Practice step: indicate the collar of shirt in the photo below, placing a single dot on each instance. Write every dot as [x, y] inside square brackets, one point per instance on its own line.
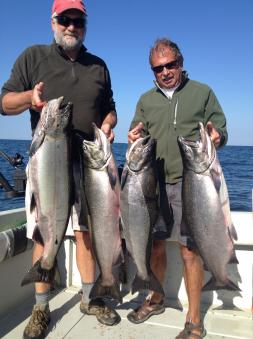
[167, 91]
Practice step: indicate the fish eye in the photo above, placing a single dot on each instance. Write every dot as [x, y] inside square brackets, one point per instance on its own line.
[138, 150]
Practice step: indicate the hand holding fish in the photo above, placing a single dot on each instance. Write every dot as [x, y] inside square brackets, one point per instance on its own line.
[107, 129]
[36, 100]
[135, 133]
[213, 133]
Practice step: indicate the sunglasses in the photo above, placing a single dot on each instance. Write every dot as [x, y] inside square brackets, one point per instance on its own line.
[168, 66]
[67, 21]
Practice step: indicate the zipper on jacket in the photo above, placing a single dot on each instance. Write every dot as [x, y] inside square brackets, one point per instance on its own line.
[175, 116]
[170, 100]
[73, 70]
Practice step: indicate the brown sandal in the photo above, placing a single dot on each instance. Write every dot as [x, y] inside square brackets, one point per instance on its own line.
[145, 311]
[188, 331]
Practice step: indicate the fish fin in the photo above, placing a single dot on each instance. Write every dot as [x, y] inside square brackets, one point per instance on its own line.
[84, 211]
[38, 274]
[37, 237]
[36, 143]
[124, 176]
[120, 170]
[99, 291]
[152, 284]
[72, 196]
[212, 285]
[32, 203]
[225, 205]
[123, 273]
[123, 269]
[33, 211]
[205, 267]
[232, 232]
[112, 177]
[233, 259]
[216, 180]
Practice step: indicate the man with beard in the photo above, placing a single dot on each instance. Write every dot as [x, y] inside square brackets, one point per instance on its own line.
[42, 73]
[174, 108]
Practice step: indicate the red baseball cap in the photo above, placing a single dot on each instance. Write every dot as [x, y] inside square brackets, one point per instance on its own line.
[60, 6]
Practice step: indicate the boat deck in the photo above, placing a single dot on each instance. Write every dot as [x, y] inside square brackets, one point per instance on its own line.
[68, 322]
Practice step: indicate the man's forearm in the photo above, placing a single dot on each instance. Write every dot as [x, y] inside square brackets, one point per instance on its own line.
[111, 119]
[15, 103]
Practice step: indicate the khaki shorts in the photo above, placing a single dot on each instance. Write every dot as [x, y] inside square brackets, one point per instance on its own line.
[75, 223]
[170, 224]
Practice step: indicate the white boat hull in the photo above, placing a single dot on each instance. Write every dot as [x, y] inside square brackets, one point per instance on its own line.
[12, 270]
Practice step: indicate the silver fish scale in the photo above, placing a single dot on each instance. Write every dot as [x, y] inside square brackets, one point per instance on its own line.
[138, 203]
[206, 208]
[137, 223]
[49, 184]
[102, 189]
[205, 218]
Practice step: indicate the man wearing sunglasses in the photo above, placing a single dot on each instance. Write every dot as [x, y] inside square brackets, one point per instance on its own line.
[173, 108]
[40, 74]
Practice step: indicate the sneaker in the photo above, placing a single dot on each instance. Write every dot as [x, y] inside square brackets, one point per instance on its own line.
[38, 323]
[105, 315]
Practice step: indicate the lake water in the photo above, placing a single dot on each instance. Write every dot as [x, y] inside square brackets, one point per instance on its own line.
[236, 161]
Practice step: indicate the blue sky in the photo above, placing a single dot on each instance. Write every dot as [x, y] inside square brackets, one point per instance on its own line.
[215, 38]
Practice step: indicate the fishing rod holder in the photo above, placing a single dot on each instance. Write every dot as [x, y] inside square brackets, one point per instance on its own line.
[19, 176]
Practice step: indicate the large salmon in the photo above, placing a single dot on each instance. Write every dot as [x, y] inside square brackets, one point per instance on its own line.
[102, 189]
[48, 189]
[206, 209]
[139, 210]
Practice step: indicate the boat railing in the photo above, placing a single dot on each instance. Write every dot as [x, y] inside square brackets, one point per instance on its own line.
[16, 255]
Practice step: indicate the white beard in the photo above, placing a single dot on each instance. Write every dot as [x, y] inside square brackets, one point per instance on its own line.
[67, 41]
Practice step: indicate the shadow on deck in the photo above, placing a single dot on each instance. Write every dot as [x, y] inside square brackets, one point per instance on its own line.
[68, 322]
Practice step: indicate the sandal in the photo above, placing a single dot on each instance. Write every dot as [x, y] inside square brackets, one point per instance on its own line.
[189, 331]
[145, 311]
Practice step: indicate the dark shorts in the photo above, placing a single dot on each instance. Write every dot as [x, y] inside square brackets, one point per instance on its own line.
[170, 224]
[79, 216]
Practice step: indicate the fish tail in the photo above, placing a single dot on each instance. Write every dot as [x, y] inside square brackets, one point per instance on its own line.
[232, 232]
[151, 284]
[100, 291]
[212, 285]
[38, 274]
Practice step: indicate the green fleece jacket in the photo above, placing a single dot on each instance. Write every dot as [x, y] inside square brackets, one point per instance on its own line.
[165, 119]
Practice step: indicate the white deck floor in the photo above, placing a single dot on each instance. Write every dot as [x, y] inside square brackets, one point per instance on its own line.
[68, 322]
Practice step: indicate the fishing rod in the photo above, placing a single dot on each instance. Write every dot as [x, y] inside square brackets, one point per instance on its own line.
[14, 161]
[19, 176]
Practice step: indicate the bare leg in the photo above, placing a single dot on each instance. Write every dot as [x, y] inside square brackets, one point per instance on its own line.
[158, 265]
[37, 253]
[84, 257]
[194, 276]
